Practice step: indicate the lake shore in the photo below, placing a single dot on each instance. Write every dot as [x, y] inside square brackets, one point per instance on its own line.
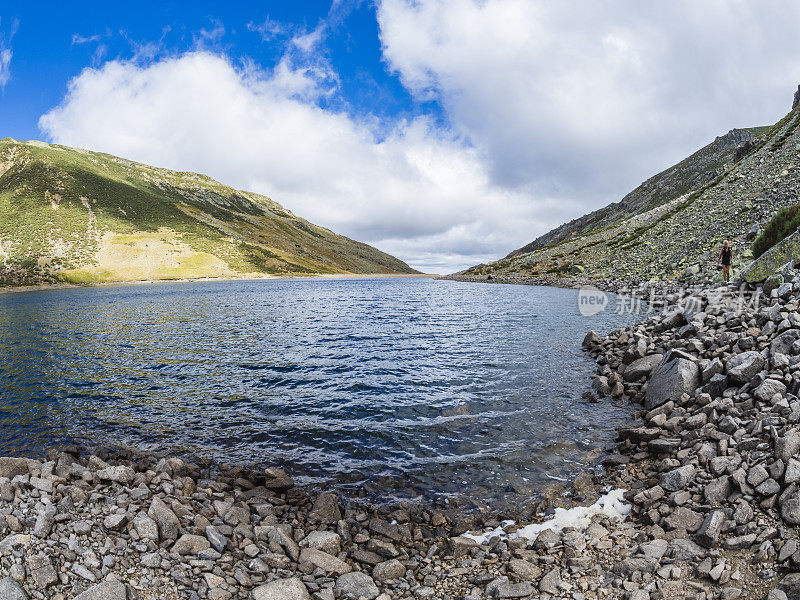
[711, 480]
[62, 286]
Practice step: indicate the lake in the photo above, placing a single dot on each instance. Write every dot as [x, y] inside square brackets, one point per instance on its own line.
[390, 387]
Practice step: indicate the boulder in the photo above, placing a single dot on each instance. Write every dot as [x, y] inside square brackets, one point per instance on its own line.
[591, 340]
[641, 367]
[281, 589]
[10, 589]
[670, 380]
[790, 509]
[107, 590]
[323, 560]
[744, 366]
[782, 344]
[353, 586]
[190, 544]
[768, 389]
[11, 467]
[788, 249]
[118, 474]
[168, 524]
[387, 570]
[325, 509]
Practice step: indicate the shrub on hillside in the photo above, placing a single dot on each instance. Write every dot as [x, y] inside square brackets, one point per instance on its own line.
[784, 223]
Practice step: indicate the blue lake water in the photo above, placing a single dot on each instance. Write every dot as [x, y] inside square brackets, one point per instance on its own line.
[390, 387]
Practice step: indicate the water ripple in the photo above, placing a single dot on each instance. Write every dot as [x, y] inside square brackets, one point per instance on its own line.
[394, 387]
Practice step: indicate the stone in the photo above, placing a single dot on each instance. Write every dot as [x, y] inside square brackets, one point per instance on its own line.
[215, 538]
[460, 546]
[550, 583]
[790, 585]
[44, 522]
[782, 344]
[790, 509]
[118, 474]
[525, 570]
[42, 571]
[683, 517]
[277, 480]
[14, 541]
[756, 475]
[742, 367]
[115, 522]
[145, 527]
[327, 541]
[325, 509]
[768, 389]
[792, 473]
[11, 590]
[190, 544]
[677, 479]
[670, 381]
[641, 367]
[354, 586]
[685, 550]
[788, 446]
[591, 340]
[717, 491]
[324, 561]
[281, 589]
[710, 530]
[390, 569]
[168, 523]
[107, 590]
[11, 467]
[787, 250]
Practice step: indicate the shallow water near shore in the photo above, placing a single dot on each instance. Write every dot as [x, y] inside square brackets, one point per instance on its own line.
[394, 388]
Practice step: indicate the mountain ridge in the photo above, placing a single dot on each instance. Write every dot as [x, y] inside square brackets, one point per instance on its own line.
[743, 188]
[78, 216]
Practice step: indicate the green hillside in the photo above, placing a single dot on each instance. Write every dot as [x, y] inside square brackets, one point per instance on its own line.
[77, 216]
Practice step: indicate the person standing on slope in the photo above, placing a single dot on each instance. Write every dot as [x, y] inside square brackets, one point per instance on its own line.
[725, 258]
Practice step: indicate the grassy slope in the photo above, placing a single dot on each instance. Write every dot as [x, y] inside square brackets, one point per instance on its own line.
[664, 241]
[74, 215]
[689, 174]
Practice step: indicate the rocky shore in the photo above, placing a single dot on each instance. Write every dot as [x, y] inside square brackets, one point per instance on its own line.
[712, 478]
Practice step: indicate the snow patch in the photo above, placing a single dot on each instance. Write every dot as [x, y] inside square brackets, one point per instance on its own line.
[611, 505]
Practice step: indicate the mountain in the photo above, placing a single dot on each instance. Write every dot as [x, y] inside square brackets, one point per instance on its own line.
[674, 223]
[76, 216]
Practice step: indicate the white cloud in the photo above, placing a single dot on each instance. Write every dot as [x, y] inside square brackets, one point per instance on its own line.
[553, 109]
[586, 99]
[415, 192]
[5, 52]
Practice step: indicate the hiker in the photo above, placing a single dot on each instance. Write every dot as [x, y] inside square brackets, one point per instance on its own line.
[725, 258]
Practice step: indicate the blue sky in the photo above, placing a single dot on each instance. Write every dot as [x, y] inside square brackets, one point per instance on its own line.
[446, 132]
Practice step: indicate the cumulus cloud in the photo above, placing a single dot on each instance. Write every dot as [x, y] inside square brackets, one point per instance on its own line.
[584, 100]
[552, 109]
[414, 191]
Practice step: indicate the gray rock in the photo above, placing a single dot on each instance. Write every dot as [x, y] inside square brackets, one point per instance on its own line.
[10, 589]
[682, 549]
[14, 540]
[327, 541]
[44, 522]
[768, 389]
[742, 367]
[551, 582]
[718, 490]
[281, 589]
[215, 538]
[788, 446]
[683, 517]
[118, 474]
[42, 571]
[145, 527]
[325, 509]
[356, 585]
[777, 594]
[591, 340]
[756, 475]
[524, 570]
[190, 544]
[460, 546]
[792, 473]
[168, 524]
[115, 522]
[641, 367]
[790, 509]
[11, 467]
[670, 381]
[390, 569]
[790, 585]
[107, 590]
[677, 479]
[711, 528]
[325, 561]
[782, 344]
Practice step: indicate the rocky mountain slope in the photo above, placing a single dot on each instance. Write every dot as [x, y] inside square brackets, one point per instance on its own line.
[77, 216]
[689, 174]
[679, 238]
